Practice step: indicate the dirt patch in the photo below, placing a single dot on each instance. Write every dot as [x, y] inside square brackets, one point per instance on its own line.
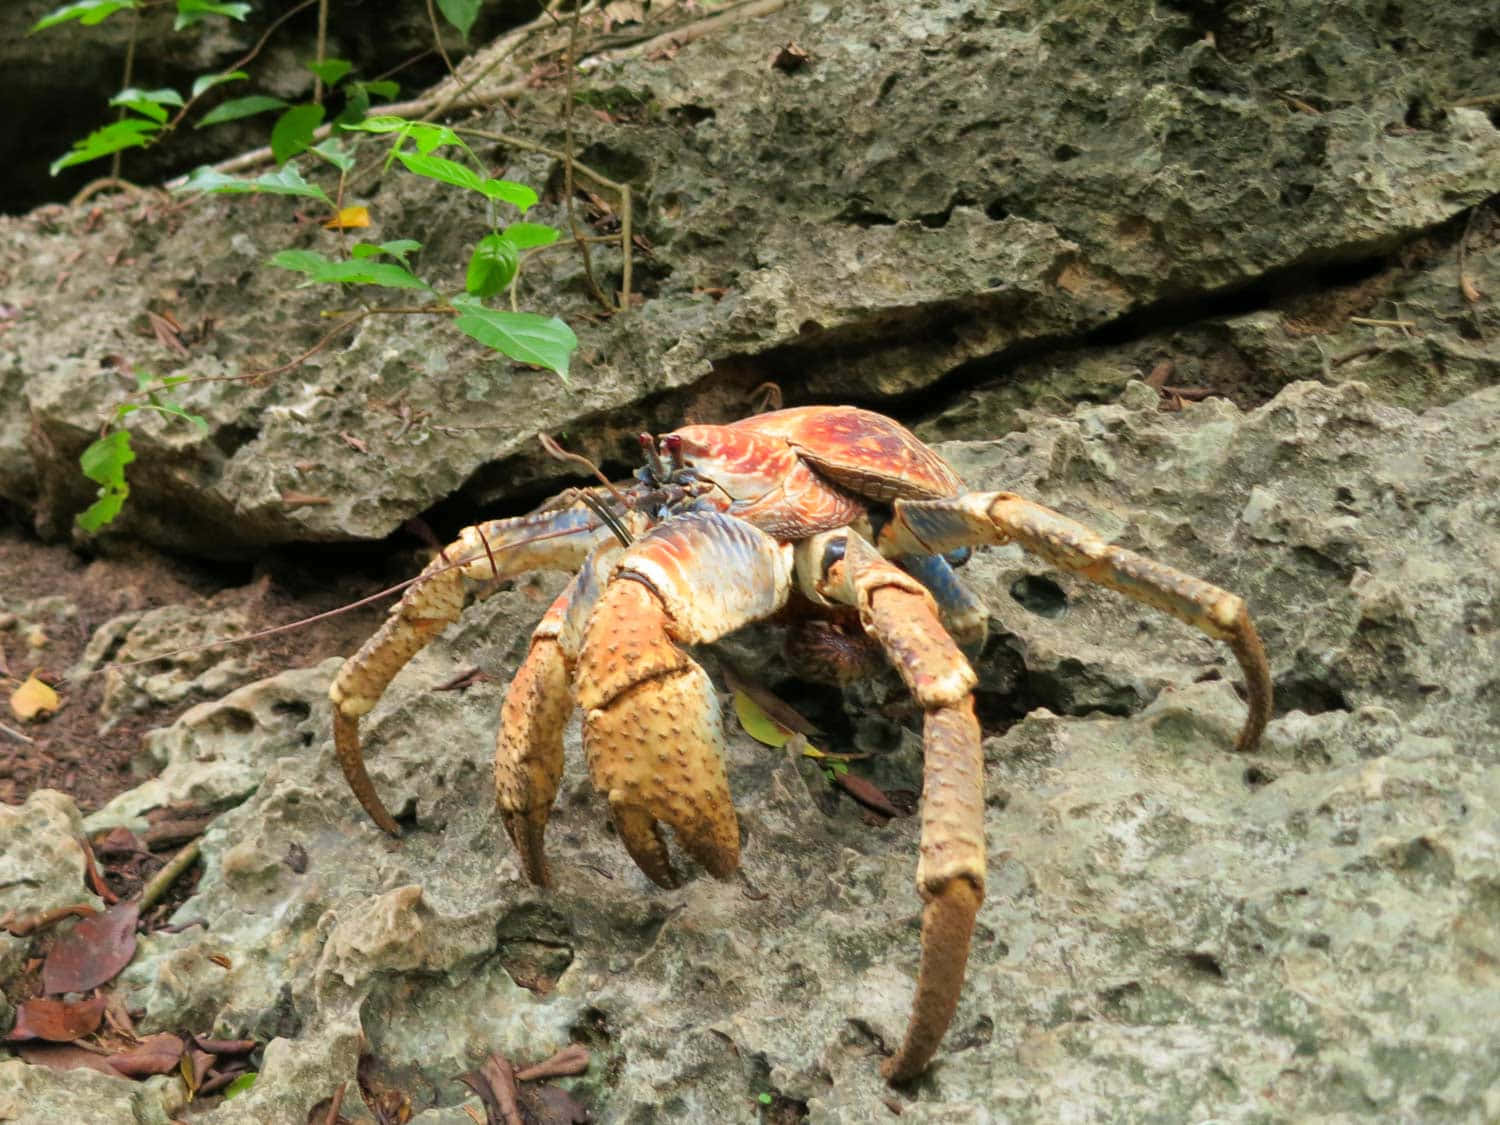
[75, 750]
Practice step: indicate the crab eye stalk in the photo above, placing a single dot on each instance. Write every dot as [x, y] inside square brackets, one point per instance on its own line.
[653, 462]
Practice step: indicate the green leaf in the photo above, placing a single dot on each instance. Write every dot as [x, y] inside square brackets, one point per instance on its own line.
[209, 81]
[172, 410]
[540, 340]
[236, 108]
[397, 248]
[240, 1085]
[507, 192]
[293, 131]
[460, 13]
[320, 269]
[86, 12]
[757, 724]
[190, 12]
[492, 266]
[330, 70]
[525, 236]
[377, 89]
[335, 152]
[356, 105]
[133, 132]
[148, 103]
[764, 1099]
[284, 181]
[104, 463]
[443, 170]
[385, 123]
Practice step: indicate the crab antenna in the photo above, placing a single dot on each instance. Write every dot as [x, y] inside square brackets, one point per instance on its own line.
[648, 447]
[608, 518]
[556, 451]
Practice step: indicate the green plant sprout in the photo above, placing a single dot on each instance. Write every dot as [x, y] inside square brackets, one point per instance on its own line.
[105, 459]
[495, 264]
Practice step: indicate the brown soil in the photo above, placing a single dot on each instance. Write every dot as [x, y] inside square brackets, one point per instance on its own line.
[67, 751]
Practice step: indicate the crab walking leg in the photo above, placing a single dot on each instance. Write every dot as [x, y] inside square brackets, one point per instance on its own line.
[900, 613]
[939, 526]
[552, 539]
[529, 747]
[652, 730]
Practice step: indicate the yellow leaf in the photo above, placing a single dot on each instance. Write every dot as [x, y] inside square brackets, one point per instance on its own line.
[758, 725]
[349, 218]
[33, 699]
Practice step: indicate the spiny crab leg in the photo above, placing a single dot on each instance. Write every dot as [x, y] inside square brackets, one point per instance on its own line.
[528, 746]
[901, 615]
[555, 538]
[939, 526]
[652, 731]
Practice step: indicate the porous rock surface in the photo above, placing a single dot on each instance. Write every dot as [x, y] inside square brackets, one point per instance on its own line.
[1171, 931]
[942, 186]
[1005, 208]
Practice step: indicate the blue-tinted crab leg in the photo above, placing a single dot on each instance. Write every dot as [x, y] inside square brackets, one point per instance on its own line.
[964, 615]
[898, 611]
[652, 730]
[529, 747]
[939, 526]
[556, 538]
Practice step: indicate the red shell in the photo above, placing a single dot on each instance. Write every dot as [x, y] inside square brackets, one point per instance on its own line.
[865, 452]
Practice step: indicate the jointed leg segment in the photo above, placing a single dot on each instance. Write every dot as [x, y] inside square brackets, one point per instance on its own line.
[557, 538]
[939, 526]
[898, 612]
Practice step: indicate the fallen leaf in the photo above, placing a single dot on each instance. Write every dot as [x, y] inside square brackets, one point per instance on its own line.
[64, 1056]
[867, 793]
[194, 1066]
[33, 699]
[94, 952]
[117, 843]
[58, 1021]
[155, 1054]
[779, 712]
[349, 218]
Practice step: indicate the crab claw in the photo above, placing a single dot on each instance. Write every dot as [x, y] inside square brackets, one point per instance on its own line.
[653, 737]
[651, 727]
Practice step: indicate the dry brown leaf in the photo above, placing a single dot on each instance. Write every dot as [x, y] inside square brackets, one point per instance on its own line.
[93, 952]
[64, 1056]
[155, 1054]
[58, 1021]
[33, 699]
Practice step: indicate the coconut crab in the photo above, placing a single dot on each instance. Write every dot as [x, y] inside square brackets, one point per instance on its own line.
[840, 513]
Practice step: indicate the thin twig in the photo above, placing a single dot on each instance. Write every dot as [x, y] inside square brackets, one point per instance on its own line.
[498, 52]
[686, 33]
[570, 68]
[322, 50]
[625, 237]
[437, 40]
[1373, 322]
[104, 183]
[241, 63]
[125, 80]
[17, 735]
[168, 875]
[335, 1105]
